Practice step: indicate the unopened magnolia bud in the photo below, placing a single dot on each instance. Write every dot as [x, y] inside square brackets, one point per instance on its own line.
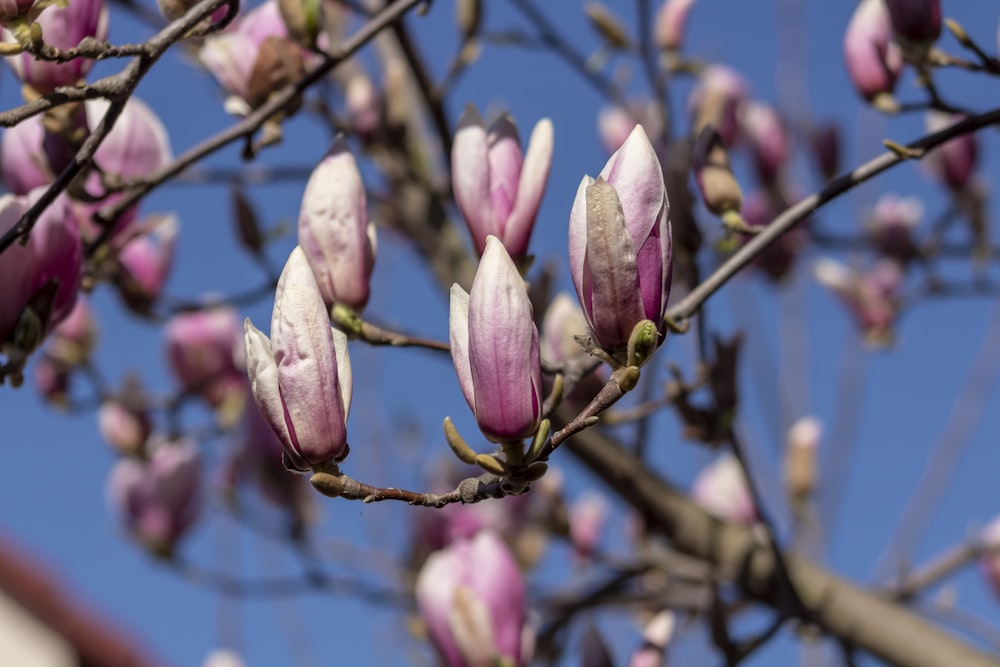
[608, 26]
[126, 428]
[719, 189]
[800, 459]
[671, 24]
[826, 148]
[279, 63]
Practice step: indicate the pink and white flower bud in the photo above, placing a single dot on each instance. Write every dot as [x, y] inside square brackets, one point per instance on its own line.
[954, 161]
[144, 262]
[655, 639]
[989, 563]
[124, 427]
[615, 123]
[63, 28]
[716, 101]
[205, 352]
[587, 517]
[721, 488]
[23, 163]
[364, 105]
[471, 597]
[768, 136]
[497, 188]
[301, 377]
[916, 25]
[137, 146]
[53, 253]
[223, 657]
[671, 24]
[873, 60]
[158, 498]
[891, 224]
[494, 346]
[334, 233]
[620, 251]
[74, 337]
[52, 378]
[873, 297]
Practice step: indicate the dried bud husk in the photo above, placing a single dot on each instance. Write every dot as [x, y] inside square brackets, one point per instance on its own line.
[279, 64]
[247, 225]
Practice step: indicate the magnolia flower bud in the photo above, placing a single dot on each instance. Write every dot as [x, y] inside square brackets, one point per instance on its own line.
[720, 191]
[301, 377]
[471, 597]
[769, 141]
[158, 498]
[223, 657]
[671, 24]
[826, 149]
[144, 263]
[334, 233]
[205, 352]
[494, 346]
[364, 106]
[497, 189]
[18, 9]
[280, 62]
[873, 297]
[916, 25]
[52, 379]
[587, 516]
[954, 161]
[721, 488]
[53, 254]
[125, 427]
[873, 60]
[616, 122]
[800, 459]
[63, 27]
[620, 251]
[891, 224]
[716, 101]
[24, 165]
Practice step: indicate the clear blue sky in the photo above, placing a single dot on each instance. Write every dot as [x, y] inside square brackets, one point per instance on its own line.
[53, 476]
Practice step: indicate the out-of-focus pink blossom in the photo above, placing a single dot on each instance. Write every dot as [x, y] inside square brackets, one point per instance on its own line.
[11, 10]
[52, 378]
[777, 260]
[223, 657]
[721, 488]
[826, 149]
[498, 188]
[124, 427]
[801, 466]
[891, 224]
[159, 497]
[587, 516]
[769, 141]
[671, 24]
[471, 596]
[205, 352]
[53, 253]
[873, 297]
[615, 123]
[954, 161]
[916, 24]
[63, 28]
[364, 105]
[716, 101]
[144, 262]
[873, 60]
[23, 163]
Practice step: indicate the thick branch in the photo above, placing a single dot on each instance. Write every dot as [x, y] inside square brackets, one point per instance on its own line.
[849, 613]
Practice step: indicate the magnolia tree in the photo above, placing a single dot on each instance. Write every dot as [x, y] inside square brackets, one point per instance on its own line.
[578, 302]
